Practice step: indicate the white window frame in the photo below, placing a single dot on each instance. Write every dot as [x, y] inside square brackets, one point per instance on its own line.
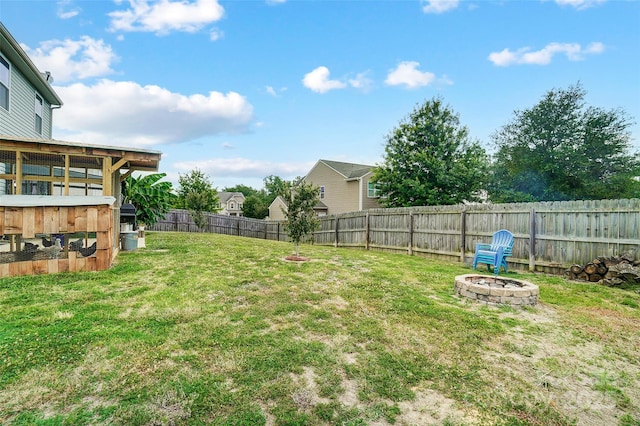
[322, 191]
[373, 190]
[38, 106]
[6, 84]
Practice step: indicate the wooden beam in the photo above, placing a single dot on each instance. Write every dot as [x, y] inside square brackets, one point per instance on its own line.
[67, 163]
[126, 175]
[18, 190]
[107, 171]
[60, 179]
[121, 162]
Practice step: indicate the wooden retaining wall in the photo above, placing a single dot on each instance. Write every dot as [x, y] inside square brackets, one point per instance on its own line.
[549, 236]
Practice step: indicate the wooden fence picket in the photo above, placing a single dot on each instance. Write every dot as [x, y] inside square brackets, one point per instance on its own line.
[549, 236]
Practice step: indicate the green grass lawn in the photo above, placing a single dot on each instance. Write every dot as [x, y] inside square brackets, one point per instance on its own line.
[212, 329]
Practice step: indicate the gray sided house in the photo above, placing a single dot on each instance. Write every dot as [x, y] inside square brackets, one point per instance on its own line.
[231, 203]
[53, 187]
[344, 187]
[27, 99]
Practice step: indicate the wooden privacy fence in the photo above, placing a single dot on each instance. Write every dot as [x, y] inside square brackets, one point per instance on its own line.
[181, 221]
[549, 236]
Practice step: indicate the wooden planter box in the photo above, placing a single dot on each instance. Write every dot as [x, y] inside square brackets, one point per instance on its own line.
[26, 216]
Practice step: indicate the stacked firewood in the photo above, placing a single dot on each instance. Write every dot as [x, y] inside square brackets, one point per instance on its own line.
[609, 271]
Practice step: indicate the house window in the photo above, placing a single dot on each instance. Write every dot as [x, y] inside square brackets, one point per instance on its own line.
[232, 205]
[38, 111]
[322, 192]
[4, 83]
[373, 190]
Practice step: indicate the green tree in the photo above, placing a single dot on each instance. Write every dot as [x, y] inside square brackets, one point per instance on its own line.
[151, 198]
[429, 160]
[300, 215]
[243, 189]
[562, 149]
[275, 186]
[197, 194]
[256, 206]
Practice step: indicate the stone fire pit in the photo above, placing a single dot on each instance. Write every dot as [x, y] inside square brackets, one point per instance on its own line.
[495, 290]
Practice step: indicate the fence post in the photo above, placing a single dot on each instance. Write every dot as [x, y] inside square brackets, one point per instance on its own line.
[366, 231]
[410, 248]
[532, 240]
[175, 221]
[335, 243]
[463, 233]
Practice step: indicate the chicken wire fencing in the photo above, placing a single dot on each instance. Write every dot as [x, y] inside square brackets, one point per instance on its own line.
[41, 173]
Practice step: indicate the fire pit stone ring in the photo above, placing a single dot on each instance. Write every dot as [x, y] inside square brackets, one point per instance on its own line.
[494, 290]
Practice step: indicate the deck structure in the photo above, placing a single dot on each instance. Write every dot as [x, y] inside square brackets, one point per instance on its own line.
[57, 189]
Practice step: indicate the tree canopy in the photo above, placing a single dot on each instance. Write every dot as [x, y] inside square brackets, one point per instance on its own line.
[197, 194]
[430, 160]
[300, 215]
[562, 149]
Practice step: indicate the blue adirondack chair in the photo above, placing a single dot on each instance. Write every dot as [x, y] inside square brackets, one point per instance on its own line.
[495, 253]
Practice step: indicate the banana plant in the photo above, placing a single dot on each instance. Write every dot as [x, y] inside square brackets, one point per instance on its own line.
[151, 198]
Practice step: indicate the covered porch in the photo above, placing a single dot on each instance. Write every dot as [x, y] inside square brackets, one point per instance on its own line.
[51, 189]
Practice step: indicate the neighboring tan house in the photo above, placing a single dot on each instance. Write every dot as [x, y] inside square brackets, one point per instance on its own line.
[344, 187]
[276, 209]
[231, 203]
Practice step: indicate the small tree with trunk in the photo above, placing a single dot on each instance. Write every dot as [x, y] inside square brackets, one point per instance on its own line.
[197, 194]
[300, 215]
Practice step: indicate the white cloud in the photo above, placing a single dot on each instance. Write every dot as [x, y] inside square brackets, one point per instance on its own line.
[66, 9]
[407, 74]
[361, 81]
[275, 2]
[127, 114]
[244, 167]
[228, 146]
[164, 16]
[319, 82]
[439, 6]
[275, 92]
[73, 59]
[573, 52]
[579, 4]
[215, 35]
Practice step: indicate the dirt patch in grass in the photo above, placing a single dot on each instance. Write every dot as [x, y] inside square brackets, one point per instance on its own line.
[581, 378]
[294, 258]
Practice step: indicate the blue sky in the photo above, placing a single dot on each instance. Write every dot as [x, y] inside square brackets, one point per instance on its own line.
[247, 89]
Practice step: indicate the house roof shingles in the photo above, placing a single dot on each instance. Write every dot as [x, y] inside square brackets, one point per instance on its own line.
[226, 196]
[349, 170]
